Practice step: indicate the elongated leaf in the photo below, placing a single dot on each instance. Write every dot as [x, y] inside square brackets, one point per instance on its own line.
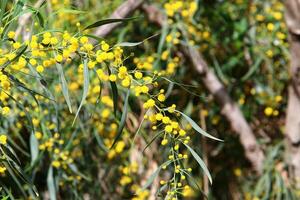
[200, 162]
[108, 21]
[154, 175]
[253, 69]
[34, 148]
[197, 128]
[115, 95]
[152, 140]
[38, 15]
[64, 85]
[151, 178]
[2, 9]
[123, 119]
[51, 184]
[132, 44]
[86, 84]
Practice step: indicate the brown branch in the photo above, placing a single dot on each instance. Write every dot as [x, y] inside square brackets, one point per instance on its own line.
[123, 11]
[292, 15]
[229, 108]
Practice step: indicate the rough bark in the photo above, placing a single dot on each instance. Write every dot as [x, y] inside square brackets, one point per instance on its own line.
[293, 108]
[229, 108]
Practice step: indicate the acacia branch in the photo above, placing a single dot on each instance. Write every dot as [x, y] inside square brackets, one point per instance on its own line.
[229, 108]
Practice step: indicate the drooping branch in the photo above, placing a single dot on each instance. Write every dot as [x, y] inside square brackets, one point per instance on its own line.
[229, 108]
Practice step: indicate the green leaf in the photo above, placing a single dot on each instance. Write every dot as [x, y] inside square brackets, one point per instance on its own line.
[38, 15]
[123, 119]
[86, 84]
[151, 178]
[51, 184]
[64, 85]
[154, 175]
[2, 9]
[34, 148]
[132, 44]
[253, 69]
[152, 140]
[200, 162]
[115, 95]
[197, 128]
[108, 21]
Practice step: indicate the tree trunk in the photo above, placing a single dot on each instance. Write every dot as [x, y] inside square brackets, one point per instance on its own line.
[293, 109]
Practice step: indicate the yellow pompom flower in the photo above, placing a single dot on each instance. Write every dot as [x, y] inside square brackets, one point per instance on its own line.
[3, 139]
[112, 77]
[11, 34]
[5, 110]
[138, 75]
[268, 111]
[40, 69]
[164, 142]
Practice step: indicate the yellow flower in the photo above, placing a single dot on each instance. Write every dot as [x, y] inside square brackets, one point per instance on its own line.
[112, 77]
[5, 110]
[56, 164]
[278, 98]
[138, 75]
[40, 69]
[268, 111]
[16, 45]
[277, 15]
[126, 82]
[120, 146]
[270, 26]
[3, 139]
[168, 128]
[164, 142]
[237, 172]
[161, 97]
[38, 135]
[104, 46]
[2, 170]
[11, 34]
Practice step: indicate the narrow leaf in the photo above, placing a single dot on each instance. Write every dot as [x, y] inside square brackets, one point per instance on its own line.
[115, 95]
[197, 128]
[123, 119]
[51, 184]
[151, 178]
[85, 88]
[34, 148]
[64, 85]
[132, 44]
[200, 162]
[108, 21]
